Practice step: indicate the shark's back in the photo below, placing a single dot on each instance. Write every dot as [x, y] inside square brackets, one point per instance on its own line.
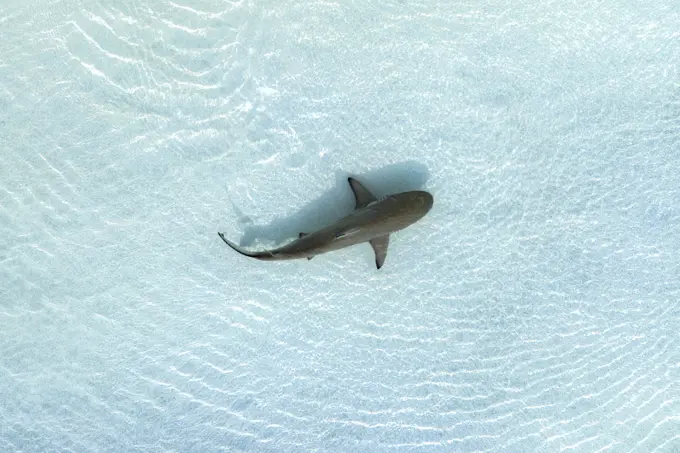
[376, 219]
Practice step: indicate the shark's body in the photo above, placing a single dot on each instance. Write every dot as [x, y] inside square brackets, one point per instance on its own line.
[372, 221]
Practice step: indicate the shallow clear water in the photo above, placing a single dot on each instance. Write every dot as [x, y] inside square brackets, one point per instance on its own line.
[535, 309]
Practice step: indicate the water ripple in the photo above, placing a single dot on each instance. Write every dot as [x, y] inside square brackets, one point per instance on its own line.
[533, 310]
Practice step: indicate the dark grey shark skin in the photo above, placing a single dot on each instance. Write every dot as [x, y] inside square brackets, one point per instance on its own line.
[372, 221]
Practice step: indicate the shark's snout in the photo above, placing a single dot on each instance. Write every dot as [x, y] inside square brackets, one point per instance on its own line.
[426, 200]
[420, 202]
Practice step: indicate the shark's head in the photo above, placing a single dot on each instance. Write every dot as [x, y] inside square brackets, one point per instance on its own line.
[417, 202]
[407, 207]
[424, 200]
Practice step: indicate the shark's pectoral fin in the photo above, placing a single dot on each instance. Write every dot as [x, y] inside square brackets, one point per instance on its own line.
[379, 245]
[361, 194]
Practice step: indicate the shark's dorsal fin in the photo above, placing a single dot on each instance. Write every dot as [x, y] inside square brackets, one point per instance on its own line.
[379, 245]
[361, 194]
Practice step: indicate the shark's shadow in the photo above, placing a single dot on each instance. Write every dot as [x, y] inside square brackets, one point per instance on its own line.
[336, 203]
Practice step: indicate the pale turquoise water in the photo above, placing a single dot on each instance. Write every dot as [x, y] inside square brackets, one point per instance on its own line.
[534, 310]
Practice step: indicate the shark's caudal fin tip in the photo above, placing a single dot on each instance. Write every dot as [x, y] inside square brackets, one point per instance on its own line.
[226, 241]
[234, 246]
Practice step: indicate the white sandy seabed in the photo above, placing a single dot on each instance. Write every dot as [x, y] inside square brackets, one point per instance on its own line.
[535, 309]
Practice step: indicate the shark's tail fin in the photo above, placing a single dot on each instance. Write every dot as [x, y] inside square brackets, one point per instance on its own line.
[257, 255]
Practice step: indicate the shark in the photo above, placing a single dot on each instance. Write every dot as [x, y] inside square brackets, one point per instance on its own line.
[372, 221]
